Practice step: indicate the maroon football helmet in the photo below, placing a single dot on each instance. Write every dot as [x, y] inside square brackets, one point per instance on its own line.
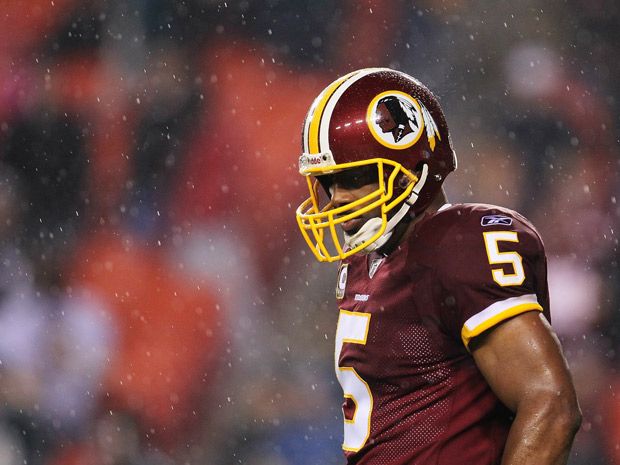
[372, 117]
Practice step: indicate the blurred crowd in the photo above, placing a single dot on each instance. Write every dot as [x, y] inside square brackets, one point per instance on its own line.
[157, 304]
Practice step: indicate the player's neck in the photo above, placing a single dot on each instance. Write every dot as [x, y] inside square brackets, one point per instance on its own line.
[440, 200]
[404, 228]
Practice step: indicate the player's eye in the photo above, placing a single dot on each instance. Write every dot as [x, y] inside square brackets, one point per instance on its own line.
[354, 178]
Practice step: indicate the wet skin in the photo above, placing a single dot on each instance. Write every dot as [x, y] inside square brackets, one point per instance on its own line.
[343, 196]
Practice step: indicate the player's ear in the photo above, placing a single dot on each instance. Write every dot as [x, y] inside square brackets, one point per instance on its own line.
[404, 181]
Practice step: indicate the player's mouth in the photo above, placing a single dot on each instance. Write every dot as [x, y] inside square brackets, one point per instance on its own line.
[353, 225]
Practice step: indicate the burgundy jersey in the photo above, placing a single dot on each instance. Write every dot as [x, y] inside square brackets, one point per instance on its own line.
[413, 393]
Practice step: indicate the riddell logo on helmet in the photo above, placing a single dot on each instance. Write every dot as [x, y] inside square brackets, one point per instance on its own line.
[314, 160]
[307, 160]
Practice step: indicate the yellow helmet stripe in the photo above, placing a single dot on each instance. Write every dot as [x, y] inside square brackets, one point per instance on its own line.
[316, 130]
[314, 123]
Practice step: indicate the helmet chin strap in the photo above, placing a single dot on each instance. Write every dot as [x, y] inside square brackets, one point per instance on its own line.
[373, 225]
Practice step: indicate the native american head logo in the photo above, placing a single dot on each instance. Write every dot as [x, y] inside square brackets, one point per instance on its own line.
[397, 120]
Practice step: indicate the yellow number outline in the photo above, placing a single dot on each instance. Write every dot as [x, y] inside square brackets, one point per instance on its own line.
[352, 325]
[495, 257]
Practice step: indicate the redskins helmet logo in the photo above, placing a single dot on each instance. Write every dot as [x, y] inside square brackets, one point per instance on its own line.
[397, 120]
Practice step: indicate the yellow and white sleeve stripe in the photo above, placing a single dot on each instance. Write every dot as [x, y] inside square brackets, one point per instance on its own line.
[497, 312]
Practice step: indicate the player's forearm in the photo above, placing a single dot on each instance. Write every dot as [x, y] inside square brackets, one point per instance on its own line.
[542, 432]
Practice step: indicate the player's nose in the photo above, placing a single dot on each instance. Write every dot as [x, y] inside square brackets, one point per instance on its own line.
[341, 196]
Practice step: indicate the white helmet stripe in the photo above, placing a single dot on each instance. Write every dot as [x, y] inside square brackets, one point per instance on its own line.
[311, 125]
[304, 135]
[331, 104]
[315, 137]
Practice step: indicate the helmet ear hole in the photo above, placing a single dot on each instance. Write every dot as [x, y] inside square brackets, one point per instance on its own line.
[403, 181]
[419, 167]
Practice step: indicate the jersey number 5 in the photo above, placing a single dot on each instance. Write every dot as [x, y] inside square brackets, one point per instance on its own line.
[353, 328]
[491, 238]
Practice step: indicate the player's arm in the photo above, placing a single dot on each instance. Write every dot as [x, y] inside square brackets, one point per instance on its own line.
[523, 363]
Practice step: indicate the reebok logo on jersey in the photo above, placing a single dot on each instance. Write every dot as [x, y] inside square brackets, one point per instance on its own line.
[494, 220]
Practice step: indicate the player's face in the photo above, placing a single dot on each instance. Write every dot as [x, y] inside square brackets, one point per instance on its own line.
[350, 185]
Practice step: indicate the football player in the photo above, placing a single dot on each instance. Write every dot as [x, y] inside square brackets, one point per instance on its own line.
[443, 348]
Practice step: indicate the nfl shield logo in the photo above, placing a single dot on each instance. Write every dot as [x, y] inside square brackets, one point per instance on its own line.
[342, 280]
[374, 266]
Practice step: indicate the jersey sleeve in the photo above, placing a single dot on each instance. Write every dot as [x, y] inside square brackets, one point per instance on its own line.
[490, 271]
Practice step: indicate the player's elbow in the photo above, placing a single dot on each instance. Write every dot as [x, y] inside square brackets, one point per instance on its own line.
[560, 406]
[567, 416]
[571, 418]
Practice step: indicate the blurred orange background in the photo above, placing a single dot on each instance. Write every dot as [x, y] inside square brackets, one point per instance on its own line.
[158, 305]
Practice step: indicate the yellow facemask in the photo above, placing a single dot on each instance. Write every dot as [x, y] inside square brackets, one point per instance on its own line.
[318, 223]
